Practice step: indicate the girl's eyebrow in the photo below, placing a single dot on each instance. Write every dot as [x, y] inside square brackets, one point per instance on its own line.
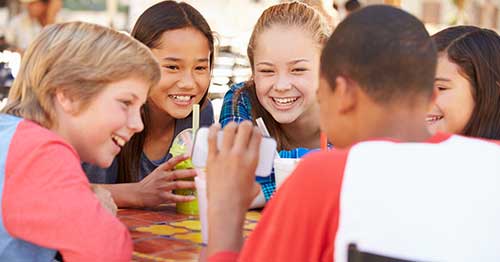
[293, 62]
[175, 59]
[296, 61]
[442, 79]
[134, 96]
[265, 63]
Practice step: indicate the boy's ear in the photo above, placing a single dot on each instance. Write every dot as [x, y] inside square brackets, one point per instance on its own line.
[67, 104]
[347, 92]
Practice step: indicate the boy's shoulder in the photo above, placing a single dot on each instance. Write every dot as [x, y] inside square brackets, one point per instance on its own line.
[316, 164]
[455, 144]
[392, 150]
[27, 136]
[37, 133]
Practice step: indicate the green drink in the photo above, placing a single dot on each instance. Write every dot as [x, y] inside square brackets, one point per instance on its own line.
[181, 146]
[190, 207]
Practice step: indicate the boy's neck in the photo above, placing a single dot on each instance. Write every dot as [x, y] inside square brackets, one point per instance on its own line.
[402, 125]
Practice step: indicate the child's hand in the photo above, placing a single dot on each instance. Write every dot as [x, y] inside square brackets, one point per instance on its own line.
[231, 170]
[156, 188]
[231, 183]
[105, 198]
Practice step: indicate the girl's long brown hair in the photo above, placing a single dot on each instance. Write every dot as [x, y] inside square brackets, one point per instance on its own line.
[159, 18]
[476, 51]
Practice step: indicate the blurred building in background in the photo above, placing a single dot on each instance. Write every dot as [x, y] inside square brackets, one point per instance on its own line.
[232, 22]
[441, 13]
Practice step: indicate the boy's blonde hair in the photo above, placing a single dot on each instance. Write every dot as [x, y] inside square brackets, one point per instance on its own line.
[78, 59]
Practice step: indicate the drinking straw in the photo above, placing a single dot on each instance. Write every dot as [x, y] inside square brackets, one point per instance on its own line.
[323, 141]
[188, 138]
[262, 127]
[196, 118]
[264, 131]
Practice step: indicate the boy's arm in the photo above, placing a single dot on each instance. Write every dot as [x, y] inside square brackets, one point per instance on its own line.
[47, 201]
[124, 194]
[300, 222]
[105, 198]
[230, 183]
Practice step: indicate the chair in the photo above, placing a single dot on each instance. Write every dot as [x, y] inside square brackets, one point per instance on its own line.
[355, 255]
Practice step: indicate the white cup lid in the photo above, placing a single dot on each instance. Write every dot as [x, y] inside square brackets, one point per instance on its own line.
[266, 154]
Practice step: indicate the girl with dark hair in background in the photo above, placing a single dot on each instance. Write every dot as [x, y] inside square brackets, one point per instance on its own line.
[182, 41]
[467, 82]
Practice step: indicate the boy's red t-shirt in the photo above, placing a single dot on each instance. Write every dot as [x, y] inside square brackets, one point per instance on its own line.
[47, 200]
[372, 193]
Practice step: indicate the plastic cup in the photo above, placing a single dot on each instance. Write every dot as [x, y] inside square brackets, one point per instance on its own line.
[189, 207]
[201, 188]
[182, 145]
[283, 167]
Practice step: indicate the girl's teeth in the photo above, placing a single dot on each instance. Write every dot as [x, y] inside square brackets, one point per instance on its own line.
[433, 118]
[118, 140]
[182, 98]
[284, 100]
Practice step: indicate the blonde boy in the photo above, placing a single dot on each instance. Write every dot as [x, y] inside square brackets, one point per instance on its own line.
[76, 98]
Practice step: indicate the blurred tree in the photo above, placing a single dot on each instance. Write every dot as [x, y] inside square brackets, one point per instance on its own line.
[93, 5]
[460, 16]
[96, 5]
[14, 8]
[393, 2]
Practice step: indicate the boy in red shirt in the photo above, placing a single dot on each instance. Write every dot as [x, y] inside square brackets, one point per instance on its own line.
[77, 97]
[391, 188]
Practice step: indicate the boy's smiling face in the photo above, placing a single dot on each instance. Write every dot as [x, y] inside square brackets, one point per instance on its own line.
[99, 131]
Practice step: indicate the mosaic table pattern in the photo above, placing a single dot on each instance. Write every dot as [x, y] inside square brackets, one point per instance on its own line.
[160, 234]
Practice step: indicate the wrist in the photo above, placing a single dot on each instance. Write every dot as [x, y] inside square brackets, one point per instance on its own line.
[134, 195]
[125, 195]
[225, 229]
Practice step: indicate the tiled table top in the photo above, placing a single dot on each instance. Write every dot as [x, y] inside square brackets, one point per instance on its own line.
[161, 234]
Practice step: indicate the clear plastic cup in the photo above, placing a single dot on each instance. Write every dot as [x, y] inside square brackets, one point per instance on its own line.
[189, 207]
[182, 145]
[283, 168]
